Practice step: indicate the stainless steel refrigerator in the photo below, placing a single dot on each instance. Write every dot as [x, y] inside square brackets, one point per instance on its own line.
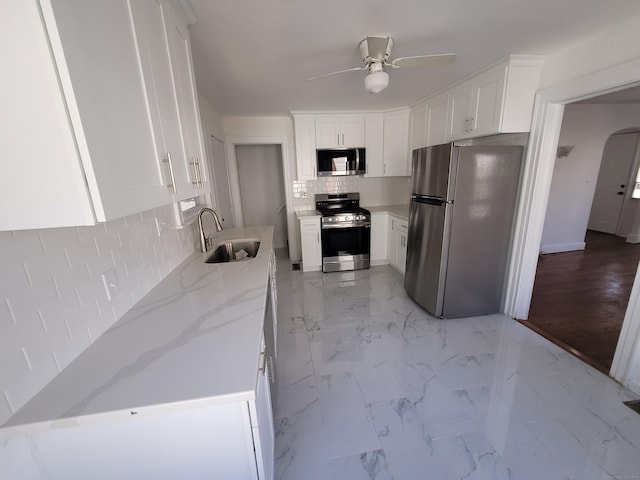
[461, 214]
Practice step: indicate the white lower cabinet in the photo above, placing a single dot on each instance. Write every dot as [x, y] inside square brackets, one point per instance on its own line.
[311, 243]
[202, 442]
[379, 241]
[397, 243]
[261, 413]
[226, 440]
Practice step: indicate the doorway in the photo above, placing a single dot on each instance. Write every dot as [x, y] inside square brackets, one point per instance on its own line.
[585, 272]
[541, 157]
[220, 174]
[262, 190]
[614, 208]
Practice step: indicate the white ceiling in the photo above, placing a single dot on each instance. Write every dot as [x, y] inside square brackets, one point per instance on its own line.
[251, 56]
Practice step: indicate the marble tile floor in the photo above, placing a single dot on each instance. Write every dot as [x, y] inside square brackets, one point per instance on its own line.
[370, 386]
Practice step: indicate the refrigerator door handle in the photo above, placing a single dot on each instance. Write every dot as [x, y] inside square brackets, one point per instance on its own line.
[438, 201]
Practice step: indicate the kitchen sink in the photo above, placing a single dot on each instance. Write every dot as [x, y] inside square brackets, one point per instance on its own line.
[231, 251]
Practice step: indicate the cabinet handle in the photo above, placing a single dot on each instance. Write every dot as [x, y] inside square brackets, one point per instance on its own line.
[318, 236]
[343, 139]
[263, 362]
[338, 139]
[199, 171]
[194, 162]
[168, 161]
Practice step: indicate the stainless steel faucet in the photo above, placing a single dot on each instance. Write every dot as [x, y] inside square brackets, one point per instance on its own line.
[204, 241]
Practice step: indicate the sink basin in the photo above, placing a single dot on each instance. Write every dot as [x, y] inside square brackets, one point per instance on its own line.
[226, 251]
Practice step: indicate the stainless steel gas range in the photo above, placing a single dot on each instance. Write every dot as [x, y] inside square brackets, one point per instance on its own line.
[346, 231]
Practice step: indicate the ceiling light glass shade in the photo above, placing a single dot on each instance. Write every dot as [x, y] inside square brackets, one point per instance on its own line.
[376, 82]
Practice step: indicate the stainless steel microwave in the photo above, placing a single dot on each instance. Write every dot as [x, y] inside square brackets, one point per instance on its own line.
[341, 161]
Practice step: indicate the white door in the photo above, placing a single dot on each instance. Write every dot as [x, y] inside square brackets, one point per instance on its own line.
[262, 189]
[629, 204]
[220, 178]
[615, 170]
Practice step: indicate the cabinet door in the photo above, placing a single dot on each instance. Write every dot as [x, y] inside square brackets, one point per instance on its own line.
[191, 175]
[101, 77]
[379, 233]
[263, 429]
[401, 252]
[328, 134]
[202, 442]
[374, 136]
[42, 182]
[459, 106]
[392, 241]
[418, 125]
[436, 120]
[148, 19]
[488, 91]
[311, 246]
[396, 144]
[352, 131]
[305, 133]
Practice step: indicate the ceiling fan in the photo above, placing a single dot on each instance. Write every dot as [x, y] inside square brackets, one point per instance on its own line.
[375, 53]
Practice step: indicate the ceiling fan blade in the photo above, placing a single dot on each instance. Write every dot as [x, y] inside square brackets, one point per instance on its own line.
[336, 73]
[377, 47]
[424, 60]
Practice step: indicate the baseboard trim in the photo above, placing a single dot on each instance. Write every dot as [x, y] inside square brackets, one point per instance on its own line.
[562, 247]
[633, 238]
[375, 263]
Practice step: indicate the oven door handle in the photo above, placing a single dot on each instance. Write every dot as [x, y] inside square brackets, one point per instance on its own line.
[329, 227]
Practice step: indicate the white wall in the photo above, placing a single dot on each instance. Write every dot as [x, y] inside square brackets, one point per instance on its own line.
[211, 120]
[586, 127]
[592, 54]
[54, 304]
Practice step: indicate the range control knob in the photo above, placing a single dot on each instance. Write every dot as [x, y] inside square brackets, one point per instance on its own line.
[348, 218]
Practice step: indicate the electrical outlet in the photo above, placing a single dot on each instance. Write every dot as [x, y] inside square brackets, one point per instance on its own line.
[110, 282]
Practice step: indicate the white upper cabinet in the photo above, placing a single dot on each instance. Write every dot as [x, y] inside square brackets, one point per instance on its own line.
[498, 100]
[305, 136]
[418, 126]
[186, 97]
[459, 109]
[436, 119]
[385, 136]
[151, 36]
[81, 83]
[337, 131]
[374, 143]
[396, 144]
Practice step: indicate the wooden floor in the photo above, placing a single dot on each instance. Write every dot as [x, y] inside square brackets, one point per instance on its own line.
[580, 298]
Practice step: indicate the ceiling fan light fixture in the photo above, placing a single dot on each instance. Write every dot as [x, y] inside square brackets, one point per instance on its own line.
[375, 82]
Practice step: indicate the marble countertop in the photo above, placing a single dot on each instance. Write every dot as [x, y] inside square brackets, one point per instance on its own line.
[401, 211]
[307, 213]
[195, 337]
